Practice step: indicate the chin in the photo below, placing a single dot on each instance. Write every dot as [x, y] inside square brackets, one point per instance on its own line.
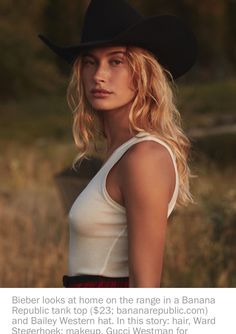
[104, 106]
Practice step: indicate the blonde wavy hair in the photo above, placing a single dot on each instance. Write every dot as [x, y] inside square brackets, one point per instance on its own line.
[153, 110]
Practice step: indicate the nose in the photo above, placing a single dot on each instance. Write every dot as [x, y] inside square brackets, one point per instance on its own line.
[101, 73]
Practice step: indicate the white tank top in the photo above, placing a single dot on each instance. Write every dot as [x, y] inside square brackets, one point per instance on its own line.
[98, 241]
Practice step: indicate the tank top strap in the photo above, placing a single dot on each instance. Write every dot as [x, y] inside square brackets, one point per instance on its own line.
[118, 153]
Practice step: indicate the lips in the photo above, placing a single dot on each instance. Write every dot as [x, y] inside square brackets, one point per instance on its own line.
[100, 92]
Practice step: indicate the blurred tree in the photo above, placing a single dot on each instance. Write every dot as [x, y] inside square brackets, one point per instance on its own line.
[26, 65]
[214, 23]
[231, 31]
[211, 27]
[22, 68]
[62, 24]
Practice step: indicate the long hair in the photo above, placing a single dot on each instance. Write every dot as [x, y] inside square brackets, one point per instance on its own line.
[153, 110]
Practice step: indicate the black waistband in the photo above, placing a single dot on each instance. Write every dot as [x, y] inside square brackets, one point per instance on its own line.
[67, 280]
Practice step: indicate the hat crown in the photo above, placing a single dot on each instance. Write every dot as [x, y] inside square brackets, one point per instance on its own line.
[105, 19]
[115, 22]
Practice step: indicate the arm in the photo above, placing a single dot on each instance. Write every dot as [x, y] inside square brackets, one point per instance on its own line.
[147, 184]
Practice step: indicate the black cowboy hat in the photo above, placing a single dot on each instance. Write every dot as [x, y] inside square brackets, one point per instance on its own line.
[115, 22]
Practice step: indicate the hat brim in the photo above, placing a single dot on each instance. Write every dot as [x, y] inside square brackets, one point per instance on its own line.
[166, 36]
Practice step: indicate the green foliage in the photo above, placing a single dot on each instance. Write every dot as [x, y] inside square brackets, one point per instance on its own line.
[40, 118]
[28, 67]
[213, 22]
[23, 68]
[218, 148]
[201, 105]
[214, 97]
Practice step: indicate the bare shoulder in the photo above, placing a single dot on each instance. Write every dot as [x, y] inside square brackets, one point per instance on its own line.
[147, 166]
[147, 153]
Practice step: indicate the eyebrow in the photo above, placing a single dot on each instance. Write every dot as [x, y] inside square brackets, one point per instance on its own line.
[88, 54]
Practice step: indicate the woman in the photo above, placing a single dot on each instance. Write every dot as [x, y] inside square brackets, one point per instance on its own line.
[120, 89]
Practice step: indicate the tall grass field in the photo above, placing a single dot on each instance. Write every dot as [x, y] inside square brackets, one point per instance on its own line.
[36, 143]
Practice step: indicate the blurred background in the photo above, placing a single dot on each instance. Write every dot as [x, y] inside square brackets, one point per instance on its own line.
[36, 143]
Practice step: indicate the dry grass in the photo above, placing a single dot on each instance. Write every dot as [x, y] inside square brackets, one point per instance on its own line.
[34, 235]
[33, 225]
[200, 250]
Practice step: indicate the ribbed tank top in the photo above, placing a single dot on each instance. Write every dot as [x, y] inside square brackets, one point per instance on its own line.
[98, 240]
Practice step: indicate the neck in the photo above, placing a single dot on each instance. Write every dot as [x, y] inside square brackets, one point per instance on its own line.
[116, 126]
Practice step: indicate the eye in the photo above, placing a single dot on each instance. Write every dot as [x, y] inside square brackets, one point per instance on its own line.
[88, 61]
[116, 61]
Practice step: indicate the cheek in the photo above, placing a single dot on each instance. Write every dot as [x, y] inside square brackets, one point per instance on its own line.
[130, 87]
[125, 82]
[85, 75]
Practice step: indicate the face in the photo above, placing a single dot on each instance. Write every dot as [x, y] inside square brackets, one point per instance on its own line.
[106, 78]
